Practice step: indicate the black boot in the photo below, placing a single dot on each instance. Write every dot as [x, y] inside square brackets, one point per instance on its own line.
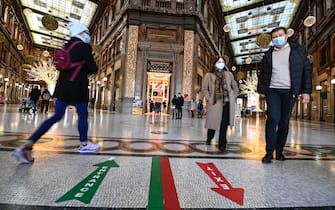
[280, 156]
[267, 158]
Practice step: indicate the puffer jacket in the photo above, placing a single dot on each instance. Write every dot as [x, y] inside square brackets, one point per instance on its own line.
[76, 90]
[300, 70]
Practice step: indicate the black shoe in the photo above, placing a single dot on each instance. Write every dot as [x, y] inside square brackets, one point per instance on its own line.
[267, 158]
[280, 157]
[208, 142]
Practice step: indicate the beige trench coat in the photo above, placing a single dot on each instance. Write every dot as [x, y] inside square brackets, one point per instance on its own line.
[214, 112]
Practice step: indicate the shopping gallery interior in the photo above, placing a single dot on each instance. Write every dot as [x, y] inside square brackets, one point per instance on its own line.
[148, 51]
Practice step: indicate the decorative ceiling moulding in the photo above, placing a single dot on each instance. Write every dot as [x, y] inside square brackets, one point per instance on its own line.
[47, 20]
[252, 18]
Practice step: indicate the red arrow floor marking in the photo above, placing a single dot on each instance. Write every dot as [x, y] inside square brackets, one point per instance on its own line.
[171, 201]
[224, 187]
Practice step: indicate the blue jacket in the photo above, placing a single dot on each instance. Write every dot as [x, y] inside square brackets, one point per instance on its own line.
[300, 70]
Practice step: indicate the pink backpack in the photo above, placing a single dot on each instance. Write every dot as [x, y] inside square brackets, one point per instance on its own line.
[62, 60]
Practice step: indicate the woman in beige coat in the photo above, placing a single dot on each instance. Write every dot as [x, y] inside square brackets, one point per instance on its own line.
[220, 90]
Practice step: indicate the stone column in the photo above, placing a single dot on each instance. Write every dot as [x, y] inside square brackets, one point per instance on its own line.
[188, 62]
[130, 70]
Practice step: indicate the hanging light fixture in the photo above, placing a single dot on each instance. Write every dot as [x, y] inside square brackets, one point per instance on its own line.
[310, 20]
[227, 28]
[248, 60]
[290, 32]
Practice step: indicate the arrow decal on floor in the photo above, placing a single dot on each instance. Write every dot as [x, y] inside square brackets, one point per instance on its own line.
[85, 190]
[224, 187]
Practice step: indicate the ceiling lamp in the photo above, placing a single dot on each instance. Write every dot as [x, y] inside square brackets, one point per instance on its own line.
[263, 40]
[49, 22]
[45, 53]
[290, 32]
[226, 28]
[233, 68]
[309, 21]
[19, 47]
[2, 37]
[248, 60]
[310, 58]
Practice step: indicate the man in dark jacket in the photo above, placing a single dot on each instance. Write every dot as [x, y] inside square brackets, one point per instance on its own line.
[34, 96]
[179, 106]
[284, 75]
[69, 92]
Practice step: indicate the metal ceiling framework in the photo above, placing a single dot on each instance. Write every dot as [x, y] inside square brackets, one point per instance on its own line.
[64, 11]
[248, 19]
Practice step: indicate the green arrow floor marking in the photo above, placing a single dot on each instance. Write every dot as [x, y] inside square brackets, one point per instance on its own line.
[156, 191]
[85, 190]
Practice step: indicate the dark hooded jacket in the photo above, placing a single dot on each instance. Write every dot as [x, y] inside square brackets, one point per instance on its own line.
[76, 90]
[300, 70]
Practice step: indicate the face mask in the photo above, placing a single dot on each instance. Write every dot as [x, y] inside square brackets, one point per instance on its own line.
[86, 38]
[279, 41]
[219, 65]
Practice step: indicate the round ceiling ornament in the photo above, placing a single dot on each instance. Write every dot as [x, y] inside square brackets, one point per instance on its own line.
[49, 22]
[226, 28]
[240, 75]
[263, 40]
[30, 59]
[45, 53]
[2, 37]
[310, 58]
[226, 59]
[290, 32]
[248, 60]
[309, 21]
[233, 68]
[19, 47]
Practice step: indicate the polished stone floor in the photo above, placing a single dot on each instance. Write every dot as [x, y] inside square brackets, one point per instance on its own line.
[155, 163]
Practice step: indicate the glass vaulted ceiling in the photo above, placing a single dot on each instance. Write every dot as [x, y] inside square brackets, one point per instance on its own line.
[250, 18]
[64, 11]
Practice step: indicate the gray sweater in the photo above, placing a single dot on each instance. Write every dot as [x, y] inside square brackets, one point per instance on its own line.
[280, 77]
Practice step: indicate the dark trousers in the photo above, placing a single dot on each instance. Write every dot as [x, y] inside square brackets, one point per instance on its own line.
[45, 103]
[60, 108]
[223, 129]
[280, 103]
[179, 112]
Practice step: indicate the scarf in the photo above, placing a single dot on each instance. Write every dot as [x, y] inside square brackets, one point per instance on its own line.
[221, 89]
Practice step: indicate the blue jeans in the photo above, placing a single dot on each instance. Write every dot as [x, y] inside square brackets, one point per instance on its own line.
[34, 105]
[60, 108]
[280, 103]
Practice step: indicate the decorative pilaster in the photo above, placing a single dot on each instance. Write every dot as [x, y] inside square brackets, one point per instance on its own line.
[130, 71]
[188, 62]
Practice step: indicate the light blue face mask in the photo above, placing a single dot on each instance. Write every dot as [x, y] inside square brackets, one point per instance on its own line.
[279, 41]
[86, 38]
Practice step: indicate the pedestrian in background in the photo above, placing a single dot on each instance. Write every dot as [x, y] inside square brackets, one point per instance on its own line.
[220, 90]
[34, 97]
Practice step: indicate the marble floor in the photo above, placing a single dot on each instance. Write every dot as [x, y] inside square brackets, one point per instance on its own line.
[157, 163]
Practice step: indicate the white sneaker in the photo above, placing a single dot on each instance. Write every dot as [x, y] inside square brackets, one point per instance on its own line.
[89, 148]
[23, 155]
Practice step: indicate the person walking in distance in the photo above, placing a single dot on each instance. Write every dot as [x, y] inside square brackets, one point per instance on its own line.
[34, 96]
[173, 106]
[179, 106]
[69, 92]
[45, 100]
[285, 74]
[220, 90]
